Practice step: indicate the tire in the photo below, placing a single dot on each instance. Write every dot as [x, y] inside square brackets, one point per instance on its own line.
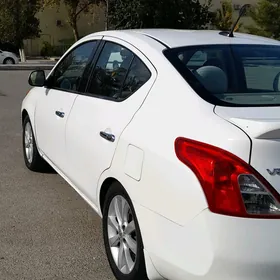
[32, 158]
[9, 60]
[136, 269]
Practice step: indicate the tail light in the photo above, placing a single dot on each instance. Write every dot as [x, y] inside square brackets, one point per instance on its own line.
[231, 186]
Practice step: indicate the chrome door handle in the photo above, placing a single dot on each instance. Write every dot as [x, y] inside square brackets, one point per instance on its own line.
[60, 114]
[108, 136]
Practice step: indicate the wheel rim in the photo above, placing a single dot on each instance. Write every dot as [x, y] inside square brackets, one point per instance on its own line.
[28, 142]
[122, 234]
[9, 61]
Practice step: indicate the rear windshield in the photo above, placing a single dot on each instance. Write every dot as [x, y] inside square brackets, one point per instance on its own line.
[231, 75]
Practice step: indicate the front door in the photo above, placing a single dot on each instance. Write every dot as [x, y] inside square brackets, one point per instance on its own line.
[121, 80]
[57, 99]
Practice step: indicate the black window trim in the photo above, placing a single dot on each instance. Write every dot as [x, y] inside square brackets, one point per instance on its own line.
[93, 65]
[193, 81]
[93, 54]
[90, 66]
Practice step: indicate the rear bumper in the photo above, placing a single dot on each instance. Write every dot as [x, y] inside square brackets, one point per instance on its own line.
[212, 247]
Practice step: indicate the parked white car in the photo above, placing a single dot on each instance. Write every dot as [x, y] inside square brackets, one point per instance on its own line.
[176, 146]
[8, 58]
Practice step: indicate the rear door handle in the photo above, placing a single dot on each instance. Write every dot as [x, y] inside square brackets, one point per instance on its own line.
[108, 136]
[60, 114]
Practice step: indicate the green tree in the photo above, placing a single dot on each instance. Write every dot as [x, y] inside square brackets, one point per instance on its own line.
[191, 14]
[223, 19]
[18, 22]
[266, 15]
[75, 9]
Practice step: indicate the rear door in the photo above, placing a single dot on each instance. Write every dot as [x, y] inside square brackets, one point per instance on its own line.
[121, 79]
[57, 99]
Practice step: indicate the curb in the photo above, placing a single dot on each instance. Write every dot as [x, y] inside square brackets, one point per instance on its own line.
[26, 67]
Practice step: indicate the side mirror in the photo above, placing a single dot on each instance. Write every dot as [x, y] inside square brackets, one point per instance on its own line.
[37, 78]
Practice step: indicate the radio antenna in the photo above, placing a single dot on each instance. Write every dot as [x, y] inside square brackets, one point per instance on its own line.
[241, 13]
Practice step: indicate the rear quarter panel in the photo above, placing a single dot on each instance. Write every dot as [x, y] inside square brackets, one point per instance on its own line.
[166, 186]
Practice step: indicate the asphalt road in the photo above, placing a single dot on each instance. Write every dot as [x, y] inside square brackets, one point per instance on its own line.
[46, 230]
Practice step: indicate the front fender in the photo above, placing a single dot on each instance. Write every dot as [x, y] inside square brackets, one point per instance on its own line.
[29, 106]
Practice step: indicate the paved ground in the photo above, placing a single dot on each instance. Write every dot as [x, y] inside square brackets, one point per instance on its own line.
[46, 230]
[38, 61]
[26, 66]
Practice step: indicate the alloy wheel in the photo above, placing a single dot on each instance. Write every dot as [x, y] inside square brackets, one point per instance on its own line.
[122, 234]
[28, 142]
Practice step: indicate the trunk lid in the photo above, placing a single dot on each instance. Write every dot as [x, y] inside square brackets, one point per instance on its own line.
[262, 125]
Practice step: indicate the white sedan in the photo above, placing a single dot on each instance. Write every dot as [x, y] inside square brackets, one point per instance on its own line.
[173, 138]
[8, 58]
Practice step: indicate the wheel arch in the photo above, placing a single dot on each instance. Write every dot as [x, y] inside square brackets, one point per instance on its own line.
[10, 59]
[104, 189]
[28, 111]
[107, 180]
[28, 108]
[24, 114]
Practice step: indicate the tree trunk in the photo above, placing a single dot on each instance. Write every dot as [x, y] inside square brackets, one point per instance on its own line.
[23, 59]
[22, 53]
[75, 30]
[107, 15]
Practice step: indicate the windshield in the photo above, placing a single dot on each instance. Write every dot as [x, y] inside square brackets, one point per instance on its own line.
[231, 75]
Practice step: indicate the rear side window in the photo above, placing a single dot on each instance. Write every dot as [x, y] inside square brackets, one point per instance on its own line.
[137, 76]
[110, 71]
[231, 75]
[118, 73]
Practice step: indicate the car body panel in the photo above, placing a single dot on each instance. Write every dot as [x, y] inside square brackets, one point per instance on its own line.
[211, 246]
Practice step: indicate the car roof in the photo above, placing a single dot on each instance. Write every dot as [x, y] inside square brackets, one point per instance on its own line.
[173, 38]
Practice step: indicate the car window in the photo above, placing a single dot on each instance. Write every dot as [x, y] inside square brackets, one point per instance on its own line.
[118, 73]
[193, 59]
[137, 76]
[110, 71]
[232, 75]
[259, 71]
[68, 74]
[197, 60]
